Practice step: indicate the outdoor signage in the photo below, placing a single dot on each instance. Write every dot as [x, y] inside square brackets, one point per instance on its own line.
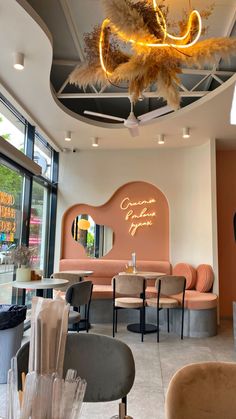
[138, 214]
[7, 217]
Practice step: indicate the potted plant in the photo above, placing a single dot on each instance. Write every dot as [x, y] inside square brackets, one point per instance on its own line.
[22, 257]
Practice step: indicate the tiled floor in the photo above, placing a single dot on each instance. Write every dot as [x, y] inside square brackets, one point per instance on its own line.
[155, 365]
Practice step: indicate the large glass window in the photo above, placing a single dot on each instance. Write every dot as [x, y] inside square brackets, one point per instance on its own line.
[11, 198]
[43, 156]
[38, 224]
[27, 202]
[12, 127]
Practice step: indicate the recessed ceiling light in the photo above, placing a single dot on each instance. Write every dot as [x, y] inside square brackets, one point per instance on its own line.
[161, 139]
[68, 136]
[186, 132]
[95, 142]
[18, 61]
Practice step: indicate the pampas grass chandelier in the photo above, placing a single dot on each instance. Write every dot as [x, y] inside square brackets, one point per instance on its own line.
[155, 55]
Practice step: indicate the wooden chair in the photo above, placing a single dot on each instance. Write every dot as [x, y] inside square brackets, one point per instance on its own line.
[167, 287]
[129, 293]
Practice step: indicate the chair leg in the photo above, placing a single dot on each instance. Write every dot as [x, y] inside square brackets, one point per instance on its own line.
[124, 400]
[113, 322]
[168, 320]
[182, 325]
[116, 312]
[142, 322]
[157, 324]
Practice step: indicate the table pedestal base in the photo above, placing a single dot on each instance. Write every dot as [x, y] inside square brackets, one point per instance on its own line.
[135, 327]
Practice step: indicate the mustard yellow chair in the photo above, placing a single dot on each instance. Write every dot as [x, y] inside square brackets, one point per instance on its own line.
[205, 390]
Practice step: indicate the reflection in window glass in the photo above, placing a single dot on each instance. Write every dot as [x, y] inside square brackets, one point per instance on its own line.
[38, 224]
[11, 128]
[11, 186]
[43, 156]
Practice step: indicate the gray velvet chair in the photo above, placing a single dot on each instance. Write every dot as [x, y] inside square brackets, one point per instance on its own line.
[78, 295]
[129, 293]
[106, 364]
[204, 390]
[167, 287]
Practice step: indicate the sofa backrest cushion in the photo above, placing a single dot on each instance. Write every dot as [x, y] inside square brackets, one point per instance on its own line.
[205, 278]
[184, 269]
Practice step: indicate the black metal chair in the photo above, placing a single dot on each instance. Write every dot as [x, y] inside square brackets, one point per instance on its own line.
[167, 287]
[78, 295]
[129, 293]
[106, 364]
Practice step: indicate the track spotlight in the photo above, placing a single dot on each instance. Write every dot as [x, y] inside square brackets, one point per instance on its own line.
[161, 139]
[95, 142]
[18, 61]
[186, 132]
[68, 136]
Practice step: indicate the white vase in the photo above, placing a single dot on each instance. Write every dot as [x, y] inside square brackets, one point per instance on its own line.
[23, 274]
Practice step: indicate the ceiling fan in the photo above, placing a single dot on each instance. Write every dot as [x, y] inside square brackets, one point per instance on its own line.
[133, 122]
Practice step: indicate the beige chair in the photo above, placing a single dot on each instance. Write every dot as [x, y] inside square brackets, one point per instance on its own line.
[129, 293]
[79, 295]
[167, 286]
[73, 278]
[202, 391]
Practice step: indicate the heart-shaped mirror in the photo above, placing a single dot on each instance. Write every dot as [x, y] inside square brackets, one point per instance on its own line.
[96, 239]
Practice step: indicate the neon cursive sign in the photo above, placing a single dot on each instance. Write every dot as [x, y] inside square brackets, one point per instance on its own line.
[138, 213]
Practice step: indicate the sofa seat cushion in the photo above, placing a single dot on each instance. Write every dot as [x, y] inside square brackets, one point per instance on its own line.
[195, 300]
[102, 292]
[188, 271]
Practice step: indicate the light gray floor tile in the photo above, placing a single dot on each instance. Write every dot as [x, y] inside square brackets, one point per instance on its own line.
[155, 366]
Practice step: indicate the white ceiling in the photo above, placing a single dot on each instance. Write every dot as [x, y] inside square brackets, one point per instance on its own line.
[207, 118]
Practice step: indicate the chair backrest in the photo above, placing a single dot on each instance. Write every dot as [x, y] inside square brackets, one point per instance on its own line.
[202, 391]
[129, 284]
[170, 285]
[79, 294]
[107, 365]
[73, 278]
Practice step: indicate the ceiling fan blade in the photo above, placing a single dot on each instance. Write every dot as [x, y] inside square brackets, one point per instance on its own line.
[154, 114]
[134, 132]
[103, 115]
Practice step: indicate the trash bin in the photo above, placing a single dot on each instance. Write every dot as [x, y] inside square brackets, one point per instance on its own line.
[11, 331]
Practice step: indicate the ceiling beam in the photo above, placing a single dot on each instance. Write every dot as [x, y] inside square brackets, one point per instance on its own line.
[123, 95]
[72, 25]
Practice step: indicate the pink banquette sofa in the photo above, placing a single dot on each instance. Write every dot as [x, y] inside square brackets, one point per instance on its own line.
[200, 302]
[199, 280]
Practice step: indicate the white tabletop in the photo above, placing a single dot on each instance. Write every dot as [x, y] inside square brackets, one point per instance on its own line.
[80, 273]
[147, 275]
[45, 283]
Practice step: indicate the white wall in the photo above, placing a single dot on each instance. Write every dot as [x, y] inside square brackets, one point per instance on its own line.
[184, 176]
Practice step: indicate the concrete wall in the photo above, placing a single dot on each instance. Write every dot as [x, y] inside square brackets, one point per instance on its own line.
[184, 175]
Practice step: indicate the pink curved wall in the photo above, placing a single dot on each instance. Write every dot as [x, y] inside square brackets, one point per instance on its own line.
[226, 208]
[142, 203]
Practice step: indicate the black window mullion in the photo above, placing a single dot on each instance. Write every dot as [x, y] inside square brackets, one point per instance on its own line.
[30, 134]
[27, 197]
